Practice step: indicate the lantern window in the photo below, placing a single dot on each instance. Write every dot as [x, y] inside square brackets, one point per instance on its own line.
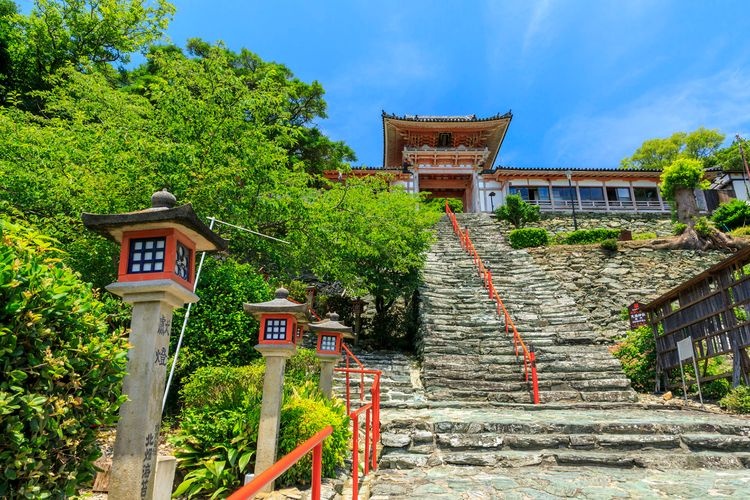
[182, 262]
[275, 329]
[147, 255]
[328, 343]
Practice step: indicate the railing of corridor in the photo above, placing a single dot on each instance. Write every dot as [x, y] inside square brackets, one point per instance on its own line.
[529, 357]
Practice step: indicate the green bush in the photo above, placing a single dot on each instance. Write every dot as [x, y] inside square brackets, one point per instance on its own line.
[305, 412]
[678, 228]
[644, 236]
[703, 227]
[741, 231]
[517, 211]
[218, 432]
[219, 332]
[731, 215]
[637, 354]
[528, 237]
[455, 203]
[61, 367]
[609, 245]
[715, 389]
[589, 236]
[737, 400]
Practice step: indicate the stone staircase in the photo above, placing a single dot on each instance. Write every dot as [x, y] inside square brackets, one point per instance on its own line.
[400, 381]
[467, 354]
[471, 433]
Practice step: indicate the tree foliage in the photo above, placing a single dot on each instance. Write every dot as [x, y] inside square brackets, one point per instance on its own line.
[683, 173]
[656, 154]
[61, 368]
[83, 34]
[517, 211]
[371, 237]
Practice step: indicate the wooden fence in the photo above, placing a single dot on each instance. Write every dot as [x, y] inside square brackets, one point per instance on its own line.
[714, 310]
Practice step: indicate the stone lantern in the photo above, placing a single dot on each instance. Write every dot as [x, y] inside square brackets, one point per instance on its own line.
[331, 334]
[281, 320]
[155, 274]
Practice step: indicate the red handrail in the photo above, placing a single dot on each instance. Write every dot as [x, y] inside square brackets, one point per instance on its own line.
[372, 421]
[529, 359]
[314, 444]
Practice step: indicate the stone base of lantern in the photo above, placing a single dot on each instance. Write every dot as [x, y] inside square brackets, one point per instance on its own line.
[327, 364]
[270, 410]
[136, 443]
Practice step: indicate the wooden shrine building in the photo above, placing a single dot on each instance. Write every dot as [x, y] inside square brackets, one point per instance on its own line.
[454, 157]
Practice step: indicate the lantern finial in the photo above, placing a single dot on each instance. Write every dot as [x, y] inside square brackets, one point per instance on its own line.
[163, 199]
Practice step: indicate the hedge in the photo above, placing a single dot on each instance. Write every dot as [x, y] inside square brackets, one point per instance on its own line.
[528, 237]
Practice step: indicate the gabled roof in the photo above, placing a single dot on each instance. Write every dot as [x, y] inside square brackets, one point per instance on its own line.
[395, 127]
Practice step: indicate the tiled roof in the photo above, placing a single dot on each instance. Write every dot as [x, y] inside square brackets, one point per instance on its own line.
[433, 118]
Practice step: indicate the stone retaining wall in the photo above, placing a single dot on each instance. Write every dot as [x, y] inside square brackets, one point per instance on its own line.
[602, 284]
[661, 224]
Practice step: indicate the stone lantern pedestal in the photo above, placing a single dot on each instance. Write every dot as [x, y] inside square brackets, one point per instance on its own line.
[135, 451]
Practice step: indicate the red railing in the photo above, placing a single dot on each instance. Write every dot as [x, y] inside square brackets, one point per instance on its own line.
[529, 357]
[314, 444]
[371, 410]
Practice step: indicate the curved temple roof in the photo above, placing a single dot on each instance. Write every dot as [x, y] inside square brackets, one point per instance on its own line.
[398, 131]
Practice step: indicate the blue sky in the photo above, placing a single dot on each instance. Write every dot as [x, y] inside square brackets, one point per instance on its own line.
[587, 80]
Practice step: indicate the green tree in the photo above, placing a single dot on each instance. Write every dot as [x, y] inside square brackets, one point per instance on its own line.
[371, 237]
[517, 211]
[678, 182]
[78, 33]
[656, 154]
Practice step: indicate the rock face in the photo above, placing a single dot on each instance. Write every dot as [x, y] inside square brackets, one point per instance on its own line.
[466, 352]
[661, 224]
[603, 283]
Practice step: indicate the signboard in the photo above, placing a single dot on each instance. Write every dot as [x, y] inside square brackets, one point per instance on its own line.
[637, 315]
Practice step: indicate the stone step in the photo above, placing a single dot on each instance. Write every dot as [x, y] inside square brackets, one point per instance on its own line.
[516, 441]
[450, 482]
[672, 458]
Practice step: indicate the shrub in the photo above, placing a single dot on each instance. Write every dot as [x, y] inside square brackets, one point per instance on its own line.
[637, 354]
[731, 215]
[305, 412]
[609, 245]
[517, 211]
[644, 236]
[741, 231]
[678, 228]
[528, 237]
[703, 227]
[737, 400]
[61, 369]
[589, 236]
[455, 203]
[219, 332]
[218, 435]
[715, 389]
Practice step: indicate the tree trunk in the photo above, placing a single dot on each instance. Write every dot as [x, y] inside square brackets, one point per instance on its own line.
[687, 208]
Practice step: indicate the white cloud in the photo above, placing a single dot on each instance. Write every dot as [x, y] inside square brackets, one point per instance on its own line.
[539, 27]
[601, 140]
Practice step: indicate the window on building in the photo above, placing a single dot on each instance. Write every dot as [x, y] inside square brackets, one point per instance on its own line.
[531, 193]
[563, 193]
[591, 193]
[645, 194]
[618, 194]
[445, 140]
